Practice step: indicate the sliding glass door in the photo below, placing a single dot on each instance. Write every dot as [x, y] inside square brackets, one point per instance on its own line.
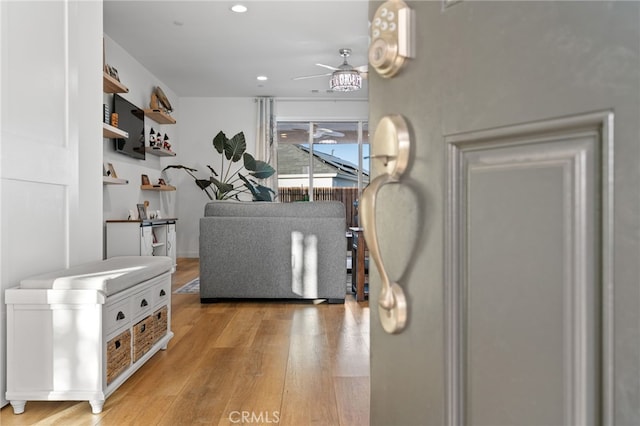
[323, 160]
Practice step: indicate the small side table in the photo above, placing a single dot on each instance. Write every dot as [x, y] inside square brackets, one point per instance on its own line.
[358, 258]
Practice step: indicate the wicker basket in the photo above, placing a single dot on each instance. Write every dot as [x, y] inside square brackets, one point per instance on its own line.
[142, 337]
[160, 323]
[118, 355]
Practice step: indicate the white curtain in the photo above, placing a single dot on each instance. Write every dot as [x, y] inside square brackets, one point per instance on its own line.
[266, 143]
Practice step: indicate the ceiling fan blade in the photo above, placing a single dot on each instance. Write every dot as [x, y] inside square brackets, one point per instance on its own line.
[327, 132]
[310, 76]
[362, 68]
[328, 67]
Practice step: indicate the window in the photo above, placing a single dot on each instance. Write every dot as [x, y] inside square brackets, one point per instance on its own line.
[323, 161]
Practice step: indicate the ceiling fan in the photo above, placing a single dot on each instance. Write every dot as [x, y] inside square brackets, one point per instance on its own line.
[344, 78]
[320, 132]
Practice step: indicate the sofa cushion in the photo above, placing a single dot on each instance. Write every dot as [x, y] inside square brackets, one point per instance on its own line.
[109, 276]
[268, 209]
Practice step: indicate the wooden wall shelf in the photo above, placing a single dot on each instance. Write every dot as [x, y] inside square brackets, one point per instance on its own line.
[108, 180]
[111, 85]
[157, 187]
[161, 152]
[109, 131]
[159, 116]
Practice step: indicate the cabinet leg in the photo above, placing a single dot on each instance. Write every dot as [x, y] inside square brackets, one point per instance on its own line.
[96, 405]
[18, 406]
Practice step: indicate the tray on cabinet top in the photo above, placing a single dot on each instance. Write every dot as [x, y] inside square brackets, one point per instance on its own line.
[109, 276]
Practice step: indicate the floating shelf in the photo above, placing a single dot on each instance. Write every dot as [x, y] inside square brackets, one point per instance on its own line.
[159, 116]
[156, 150]
[111, 85]
[157, 187]
[109, 131]
[108, 180]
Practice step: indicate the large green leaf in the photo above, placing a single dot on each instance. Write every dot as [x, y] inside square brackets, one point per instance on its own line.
[264, 193]
[260, 169]
[203, 183]
[259, 192]
[178, 166]
[235, 147]
[220, 141]
[223, 187]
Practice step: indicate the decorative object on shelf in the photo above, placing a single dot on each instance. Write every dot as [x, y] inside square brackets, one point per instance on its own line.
[162, 98]
[142, 212]
[166, 145]
[114, 119]
[111, 171]
[131, 215]
[107, 113]
[159, 140]
[112, 72]
[161, 182]
[152, 137]
[229, 184]
[153, 103]
[145, 180]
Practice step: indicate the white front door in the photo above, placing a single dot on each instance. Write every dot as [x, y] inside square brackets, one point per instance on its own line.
[51, 142]
[516, 230]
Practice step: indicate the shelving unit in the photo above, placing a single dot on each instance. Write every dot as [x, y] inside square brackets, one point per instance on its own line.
[161, 152]
[159, 116]
[109, 131]
[111, 85]
[108, 180]
[157, 187]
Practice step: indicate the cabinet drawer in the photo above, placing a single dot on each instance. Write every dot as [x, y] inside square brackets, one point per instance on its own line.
[142, 303]
[142, 337]
[118, 355]
[160, 323]
[117, 315]
[161, 292]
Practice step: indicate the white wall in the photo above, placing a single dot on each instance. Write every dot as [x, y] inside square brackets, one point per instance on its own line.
[51, 184]
[326, 109]
[200, 120]
[119, 199]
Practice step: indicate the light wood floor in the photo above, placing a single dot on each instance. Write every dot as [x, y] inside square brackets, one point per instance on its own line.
[239, 363]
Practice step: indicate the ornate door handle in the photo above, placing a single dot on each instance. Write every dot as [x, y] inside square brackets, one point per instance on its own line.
[392, 145]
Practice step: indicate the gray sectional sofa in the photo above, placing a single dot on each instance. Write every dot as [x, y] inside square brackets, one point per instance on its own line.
[262, 250]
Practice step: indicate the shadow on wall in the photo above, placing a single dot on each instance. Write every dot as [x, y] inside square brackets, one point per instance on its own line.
[304, 265]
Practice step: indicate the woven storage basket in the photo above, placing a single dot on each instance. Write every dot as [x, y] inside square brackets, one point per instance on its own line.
[160, 323]
[142, 337]
[118, 355]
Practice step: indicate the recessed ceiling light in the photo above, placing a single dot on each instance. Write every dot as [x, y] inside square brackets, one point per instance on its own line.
[239, 8]
[262, 78]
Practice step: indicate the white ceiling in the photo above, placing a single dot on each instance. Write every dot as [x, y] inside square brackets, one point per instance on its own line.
[201, 48]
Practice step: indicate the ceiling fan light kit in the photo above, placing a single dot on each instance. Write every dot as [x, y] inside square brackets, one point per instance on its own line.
[345, 78]
[345, 81]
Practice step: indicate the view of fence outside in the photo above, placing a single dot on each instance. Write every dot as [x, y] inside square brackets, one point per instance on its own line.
[346, 195]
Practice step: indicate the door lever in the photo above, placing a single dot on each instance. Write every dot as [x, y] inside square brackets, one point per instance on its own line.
[391, 144]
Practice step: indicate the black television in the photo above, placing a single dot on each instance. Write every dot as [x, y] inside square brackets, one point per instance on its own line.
[131, 120]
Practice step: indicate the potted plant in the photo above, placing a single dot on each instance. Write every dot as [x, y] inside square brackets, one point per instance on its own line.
[230, 183]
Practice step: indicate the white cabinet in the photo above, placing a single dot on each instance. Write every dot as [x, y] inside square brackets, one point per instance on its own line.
[79, 334]
[141, 238]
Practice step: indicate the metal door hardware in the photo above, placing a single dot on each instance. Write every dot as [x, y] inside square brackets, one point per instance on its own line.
[392, 37]
[392, 145]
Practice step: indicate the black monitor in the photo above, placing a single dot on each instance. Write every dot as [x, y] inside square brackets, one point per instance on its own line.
[131, 120]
